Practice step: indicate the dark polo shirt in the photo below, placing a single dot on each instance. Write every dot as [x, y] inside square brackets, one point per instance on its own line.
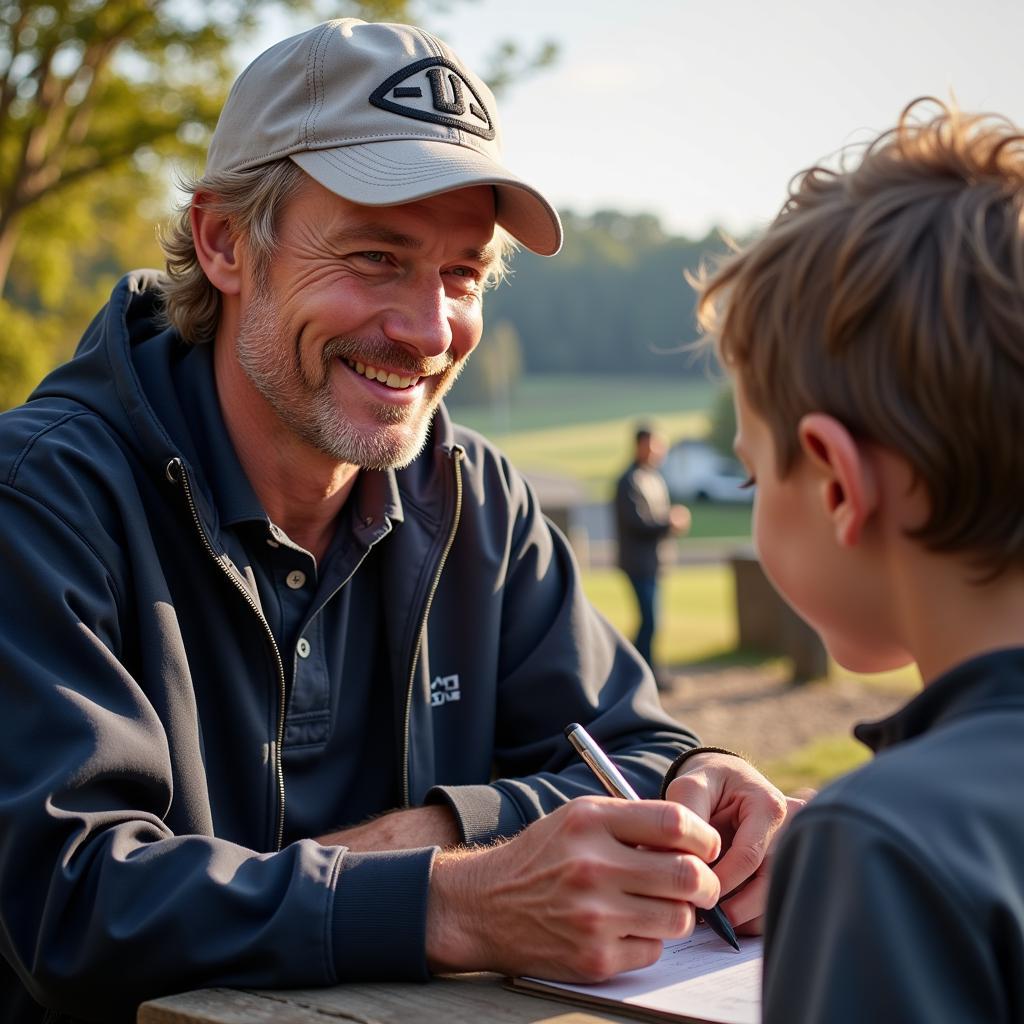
[898, 892]
[325, 617]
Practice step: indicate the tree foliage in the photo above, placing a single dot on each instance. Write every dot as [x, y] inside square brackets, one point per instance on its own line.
[491, 374]
[722, 432]
[101, 102]
[613, 301]
[87, 86]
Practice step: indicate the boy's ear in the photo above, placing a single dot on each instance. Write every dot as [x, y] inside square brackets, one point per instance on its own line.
[217, 248]
[849, 486]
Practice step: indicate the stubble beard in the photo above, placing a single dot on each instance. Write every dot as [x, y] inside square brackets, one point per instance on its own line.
[308, 407]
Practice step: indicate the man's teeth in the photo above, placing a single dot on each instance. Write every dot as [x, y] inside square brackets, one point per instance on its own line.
[391, 379]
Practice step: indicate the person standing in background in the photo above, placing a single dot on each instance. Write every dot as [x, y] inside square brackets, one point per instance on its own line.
[644, 518]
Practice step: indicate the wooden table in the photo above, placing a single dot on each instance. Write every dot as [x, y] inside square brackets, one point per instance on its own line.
[459, 999]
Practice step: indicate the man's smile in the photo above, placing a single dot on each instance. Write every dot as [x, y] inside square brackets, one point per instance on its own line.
[388, 377]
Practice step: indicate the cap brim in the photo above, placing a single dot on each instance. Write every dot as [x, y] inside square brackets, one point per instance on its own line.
[402, 171]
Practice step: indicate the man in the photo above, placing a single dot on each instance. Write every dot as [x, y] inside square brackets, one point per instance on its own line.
[644, 518]
[265, 592]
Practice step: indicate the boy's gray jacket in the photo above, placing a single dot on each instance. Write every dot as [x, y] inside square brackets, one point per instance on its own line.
[141, 795]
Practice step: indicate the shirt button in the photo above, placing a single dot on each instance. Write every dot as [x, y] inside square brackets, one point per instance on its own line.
[302, 648]
[296, 579]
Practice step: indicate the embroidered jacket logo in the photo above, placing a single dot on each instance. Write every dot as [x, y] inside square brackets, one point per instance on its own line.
[435, 90]
[443, 689]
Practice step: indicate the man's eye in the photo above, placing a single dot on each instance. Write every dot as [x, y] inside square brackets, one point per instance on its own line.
[374, 257]
[464, 272]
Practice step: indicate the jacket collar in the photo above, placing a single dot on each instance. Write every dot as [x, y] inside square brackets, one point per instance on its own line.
[991, 680]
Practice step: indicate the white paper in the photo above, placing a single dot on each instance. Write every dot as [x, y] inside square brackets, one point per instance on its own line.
[702, 977]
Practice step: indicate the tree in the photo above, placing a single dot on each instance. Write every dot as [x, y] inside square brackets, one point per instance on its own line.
[99, 100]
[723, 422]
[495, 368]
[87, 86]
[615, 300]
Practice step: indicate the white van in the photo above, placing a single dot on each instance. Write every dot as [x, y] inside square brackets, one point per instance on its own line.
[694, 471]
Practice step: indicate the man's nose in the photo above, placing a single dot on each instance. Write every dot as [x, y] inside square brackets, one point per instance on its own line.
[419, 317]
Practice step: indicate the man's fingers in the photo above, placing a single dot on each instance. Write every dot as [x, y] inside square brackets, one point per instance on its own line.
[669, 876]
[750, 814]
[629, 954]
[658, 919]
[693, 790]
[746, 908]
[663, 825]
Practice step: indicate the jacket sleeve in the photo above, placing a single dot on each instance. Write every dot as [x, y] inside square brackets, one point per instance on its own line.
[560, 662]
[91, 876]
[862, 925]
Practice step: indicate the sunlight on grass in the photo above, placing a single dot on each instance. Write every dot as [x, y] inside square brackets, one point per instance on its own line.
[540, 402]
[593, 453]
[697, 613]
[901, 680]
[817, 763]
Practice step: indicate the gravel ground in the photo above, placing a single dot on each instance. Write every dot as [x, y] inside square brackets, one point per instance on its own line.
[756, 711]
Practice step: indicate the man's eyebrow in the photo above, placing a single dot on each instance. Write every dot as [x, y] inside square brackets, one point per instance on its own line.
[373, 233]
[487, 254]
[383, 235]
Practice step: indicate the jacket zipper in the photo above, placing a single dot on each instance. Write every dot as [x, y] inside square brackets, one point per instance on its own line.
[457, 453]
[176, 470]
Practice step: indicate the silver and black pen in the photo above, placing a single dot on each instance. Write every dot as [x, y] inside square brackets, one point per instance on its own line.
[615, 782]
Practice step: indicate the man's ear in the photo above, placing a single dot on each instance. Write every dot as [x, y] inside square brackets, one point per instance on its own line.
[848, 482]
[217, 247]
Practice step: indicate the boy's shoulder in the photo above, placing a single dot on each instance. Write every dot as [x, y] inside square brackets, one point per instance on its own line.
[946, 799]
[972, 760]
[898, 890]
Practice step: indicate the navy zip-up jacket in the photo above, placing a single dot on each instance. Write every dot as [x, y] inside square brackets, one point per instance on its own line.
[142, 798]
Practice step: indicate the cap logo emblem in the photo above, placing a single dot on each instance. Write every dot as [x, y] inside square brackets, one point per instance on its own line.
[435, 90]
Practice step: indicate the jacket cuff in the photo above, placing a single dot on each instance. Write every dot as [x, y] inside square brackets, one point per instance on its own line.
[380, 916]
[483, 813]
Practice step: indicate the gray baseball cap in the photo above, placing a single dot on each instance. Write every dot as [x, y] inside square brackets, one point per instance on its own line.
[380, 115]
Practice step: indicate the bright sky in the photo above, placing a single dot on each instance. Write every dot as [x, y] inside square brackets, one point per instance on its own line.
[701, 110]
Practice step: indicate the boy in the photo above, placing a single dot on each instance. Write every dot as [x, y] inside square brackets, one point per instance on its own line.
[876, 337]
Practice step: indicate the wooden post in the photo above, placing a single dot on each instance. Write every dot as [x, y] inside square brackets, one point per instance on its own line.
[766, 623]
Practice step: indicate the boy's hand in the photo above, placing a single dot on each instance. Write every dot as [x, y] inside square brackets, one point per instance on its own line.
[749, 813]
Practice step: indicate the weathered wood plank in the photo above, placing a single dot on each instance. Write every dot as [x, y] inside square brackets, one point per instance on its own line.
[466, 999]
[222, 1006]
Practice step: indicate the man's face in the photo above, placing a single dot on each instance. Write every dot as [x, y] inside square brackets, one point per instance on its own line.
[651, 449]
[366, 317]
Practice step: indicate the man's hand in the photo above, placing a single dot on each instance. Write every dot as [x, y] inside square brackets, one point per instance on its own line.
[433, 825]
[580, 895]
[679, 520]
[749, 814]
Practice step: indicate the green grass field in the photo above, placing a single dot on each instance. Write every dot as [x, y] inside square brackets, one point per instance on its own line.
[818, 763]
[697, 619]
[540, 403]
[582, 427]
[718, 520]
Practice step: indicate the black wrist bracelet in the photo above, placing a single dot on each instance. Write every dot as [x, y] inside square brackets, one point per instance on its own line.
[678, 763]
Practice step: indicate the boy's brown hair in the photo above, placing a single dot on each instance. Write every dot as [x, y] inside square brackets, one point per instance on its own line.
[890, 295]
